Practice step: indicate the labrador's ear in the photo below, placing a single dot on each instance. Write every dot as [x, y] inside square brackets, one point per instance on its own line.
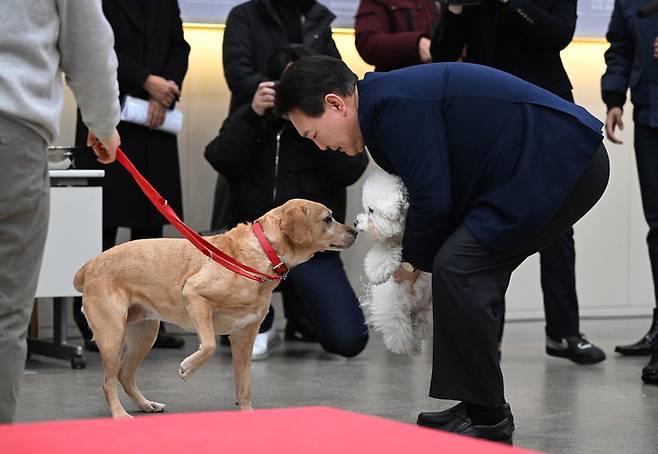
[295, 224]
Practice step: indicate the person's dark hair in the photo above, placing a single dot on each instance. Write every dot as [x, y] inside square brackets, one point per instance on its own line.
[306, 82]
[281, 57]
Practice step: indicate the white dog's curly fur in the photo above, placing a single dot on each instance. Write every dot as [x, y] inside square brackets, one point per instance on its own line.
[402, 313]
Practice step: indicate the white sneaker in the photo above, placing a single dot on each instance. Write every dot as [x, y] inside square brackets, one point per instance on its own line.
[263, 343]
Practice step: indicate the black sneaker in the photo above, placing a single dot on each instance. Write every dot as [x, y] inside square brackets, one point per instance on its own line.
[576, 348]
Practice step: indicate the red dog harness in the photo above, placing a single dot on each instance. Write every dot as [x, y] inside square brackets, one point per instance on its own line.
[201, 243]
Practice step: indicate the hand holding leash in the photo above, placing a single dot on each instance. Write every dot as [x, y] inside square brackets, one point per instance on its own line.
[105, 149]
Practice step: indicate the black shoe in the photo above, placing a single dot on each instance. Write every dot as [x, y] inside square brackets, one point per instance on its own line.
[650, 371]
[439, 419]
[456, 420]
[90, 345]
[576, 348]
[166, 340]
[645, 345]
[501, 431]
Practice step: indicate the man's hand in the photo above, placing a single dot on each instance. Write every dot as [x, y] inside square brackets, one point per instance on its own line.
[424, 50]
[156, 115]
[611, 122]
[263, 98]
[401, 275]
[105, 149]
[655, 47]
[162, 90]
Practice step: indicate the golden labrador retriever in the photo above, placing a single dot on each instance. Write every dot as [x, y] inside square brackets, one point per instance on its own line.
[128, 289]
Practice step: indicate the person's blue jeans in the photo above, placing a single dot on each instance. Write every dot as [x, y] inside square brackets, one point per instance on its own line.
[321, 287]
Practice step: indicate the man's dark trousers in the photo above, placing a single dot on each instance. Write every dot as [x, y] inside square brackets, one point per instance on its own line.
[468, 288]
[646, 155]
[558, 283]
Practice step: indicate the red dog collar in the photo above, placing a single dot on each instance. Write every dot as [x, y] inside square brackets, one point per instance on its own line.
[278, 266]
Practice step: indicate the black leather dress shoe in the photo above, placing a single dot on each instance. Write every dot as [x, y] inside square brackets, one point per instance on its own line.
[445, 419]
[501, 431]
[439, 419]
[645, 345]
[650, 371]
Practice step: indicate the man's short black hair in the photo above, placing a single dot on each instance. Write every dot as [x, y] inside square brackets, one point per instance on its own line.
[306, 82]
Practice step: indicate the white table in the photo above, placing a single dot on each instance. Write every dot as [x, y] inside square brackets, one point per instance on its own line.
[74, 237]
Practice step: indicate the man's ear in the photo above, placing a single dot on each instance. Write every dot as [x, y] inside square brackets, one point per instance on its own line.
[334, 102]
[295, 225]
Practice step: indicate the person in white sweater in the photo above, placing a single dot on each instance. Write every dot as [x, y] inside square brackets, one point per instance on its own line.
[40, 40]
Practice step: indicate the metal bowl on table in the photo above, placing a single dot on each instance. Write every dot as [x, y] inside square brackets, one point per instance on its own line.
[60, 158]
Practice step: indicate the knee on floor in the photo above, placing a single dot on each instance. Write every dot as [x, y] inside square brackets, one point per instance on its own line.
[348, 345]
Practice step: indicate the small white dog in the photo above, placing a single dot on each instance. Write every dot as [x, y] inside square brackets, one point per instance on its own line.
[400, 311]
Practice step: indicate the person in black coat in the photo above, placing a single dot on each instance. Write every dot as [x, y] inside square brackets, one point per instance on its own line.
[254, 31]
[153, 58]
[268, 163]
[631, 62]
[257, 28]
[524, 38]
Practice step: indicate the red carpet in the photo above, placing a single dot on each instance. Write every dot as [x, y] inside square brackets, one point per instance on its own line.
[310, 430]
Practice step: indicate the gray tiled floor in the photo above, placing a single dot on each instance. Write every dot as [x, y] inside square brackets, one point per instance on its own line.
[559, 407]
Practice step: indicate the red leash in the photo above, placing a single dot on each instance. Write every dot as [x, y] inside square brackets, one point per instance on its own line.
[202, 244]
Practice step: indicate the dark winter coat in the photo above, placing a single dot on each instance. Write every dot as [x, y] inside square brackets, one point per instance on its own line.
[521, 37]
[254, 32]
[148, 42]
[630, 62]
